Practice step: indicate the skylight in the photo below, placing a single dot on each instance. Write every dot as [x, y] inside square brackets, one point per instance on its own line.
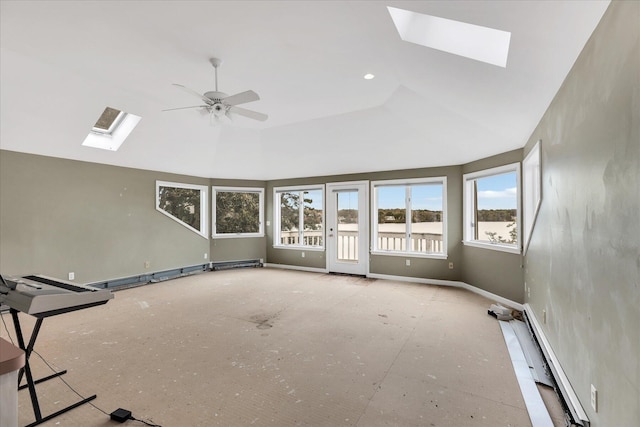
[468, 40]
[111, 129]
[108, 121]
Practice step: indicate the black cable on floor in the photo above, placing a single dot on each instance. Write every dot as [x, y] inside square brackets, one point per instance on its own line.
[66, 383]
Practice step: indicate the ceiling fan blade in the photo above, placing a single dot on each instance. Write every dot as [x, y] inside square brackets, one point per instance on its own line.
[194, 93]
[184, 108]
[241, 98]
[248, 113]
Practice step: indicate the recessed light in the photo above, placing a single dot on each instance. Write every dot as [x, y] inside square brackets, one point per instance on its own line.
[368, 76]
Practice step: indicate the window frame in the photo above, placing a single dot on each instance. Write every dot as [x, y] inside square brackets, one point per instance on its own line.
[468, 208]
[442, 180]
[204, 206]
[531, 193]
[214, 191]
[277, 220]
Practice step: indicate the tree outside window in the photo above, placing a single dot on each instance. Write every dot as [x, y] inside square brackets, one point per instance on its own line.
[237, 211]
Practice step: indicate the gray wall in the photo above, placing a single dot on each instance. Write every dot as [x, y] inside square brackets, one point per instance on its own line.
[59, 216]
[498, 272]
[583, 264]
[381, 264]
[100, 222]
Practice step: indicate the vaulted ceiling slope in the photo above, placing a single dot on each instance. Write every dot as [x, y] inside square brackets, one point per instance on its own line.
[63, 62]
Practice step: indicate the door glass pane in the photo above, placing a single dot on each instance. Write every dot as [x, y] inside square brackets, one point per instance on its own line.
[289, 218]
[312, 223]
[426, 218]
[392, 211]
[347, 225]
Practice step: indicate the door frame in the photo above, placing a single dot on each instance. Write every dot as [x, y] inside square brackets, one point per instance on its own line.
[332, 263]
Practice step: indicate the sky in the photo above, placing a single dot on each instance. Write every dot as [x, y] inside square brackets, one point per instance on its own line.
[494, 192]
[422, 197]
[498, 192]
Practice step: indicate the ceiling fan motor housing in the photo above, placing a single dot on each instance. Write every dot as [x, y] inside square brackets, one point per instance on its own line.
[215, 96]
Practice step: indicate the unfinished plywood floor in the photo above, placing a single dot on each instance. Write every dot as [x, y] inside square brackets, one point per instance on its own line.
[269, 347]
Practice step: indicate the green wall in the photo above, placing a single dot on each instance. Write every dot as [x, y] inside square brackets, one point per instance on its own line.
[583, 263]
[498, 272]
[98, 221]
[423, 268]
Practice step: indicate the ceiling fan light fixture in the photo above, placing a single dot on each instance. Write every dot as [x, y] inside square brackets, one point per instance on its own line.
[220, 104]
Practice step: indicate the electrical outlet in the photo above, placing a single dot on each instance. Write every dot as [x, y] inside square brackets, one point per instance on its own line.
[261, 261]
[594, 398]
[529, 292]
[544, 316]
[72, 275]
[450, 266]
[147, 264]
[302, 254]
[205, 255]
[408, 262]
[268, 223]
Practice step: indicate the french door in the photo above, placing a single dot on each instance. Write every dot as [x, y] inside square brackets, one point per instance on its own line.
[347, 218]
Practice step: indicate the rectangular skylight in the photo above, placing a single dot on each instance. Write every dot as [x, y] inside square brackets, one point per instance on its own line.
[468, 40]
[111, 129]
[108, 121]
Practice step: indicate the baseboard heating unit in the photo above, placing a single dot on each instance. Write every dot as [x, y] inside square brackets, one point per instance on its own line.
[565, 390]
[227, 265]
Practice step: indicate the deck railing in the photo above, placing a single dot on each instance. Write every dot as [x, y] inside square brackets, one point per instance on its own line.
[387, 241]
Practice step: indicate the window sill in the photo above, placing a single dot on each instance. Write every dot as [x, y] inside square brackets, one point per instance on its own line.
[494, 246]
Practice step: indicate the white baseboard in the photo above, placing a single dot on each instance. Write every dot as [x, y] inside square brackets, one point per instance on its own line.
[504, 301]
[296, 267]
[563, 382]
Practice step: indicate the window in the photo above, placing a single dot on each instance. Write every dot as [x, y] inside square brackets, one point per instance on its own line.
[111, 129]
[492, 208]
[237, 212]
[185, 203]
[299, 216]
[531, 193]
[108, 121]
[409, 217]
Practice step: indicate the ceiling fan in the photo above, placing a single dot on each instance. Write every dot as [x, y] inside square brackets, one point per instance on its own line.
[218, 104]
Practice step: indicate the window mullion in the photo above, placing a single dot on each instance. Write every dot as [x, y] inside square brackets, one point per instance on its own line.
[301, 218]
[475, 210]
[407, 217]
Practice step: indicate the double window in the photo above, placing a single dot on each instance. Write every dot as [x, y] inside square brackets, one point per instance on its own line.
[237, 212]
[410, 217]
[185, 203]
[299, 216]
[492, 208]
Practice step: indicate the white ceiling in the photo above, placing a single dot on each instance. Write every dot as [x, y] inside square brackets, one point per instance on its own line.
[63, 62]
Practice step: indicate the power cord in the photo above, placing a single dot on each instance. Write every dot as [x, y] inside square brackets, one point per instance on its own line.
[115, 415]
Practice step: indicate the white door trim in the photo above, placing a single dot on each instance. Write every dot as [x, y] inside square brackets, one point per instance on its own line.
[332, 263]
